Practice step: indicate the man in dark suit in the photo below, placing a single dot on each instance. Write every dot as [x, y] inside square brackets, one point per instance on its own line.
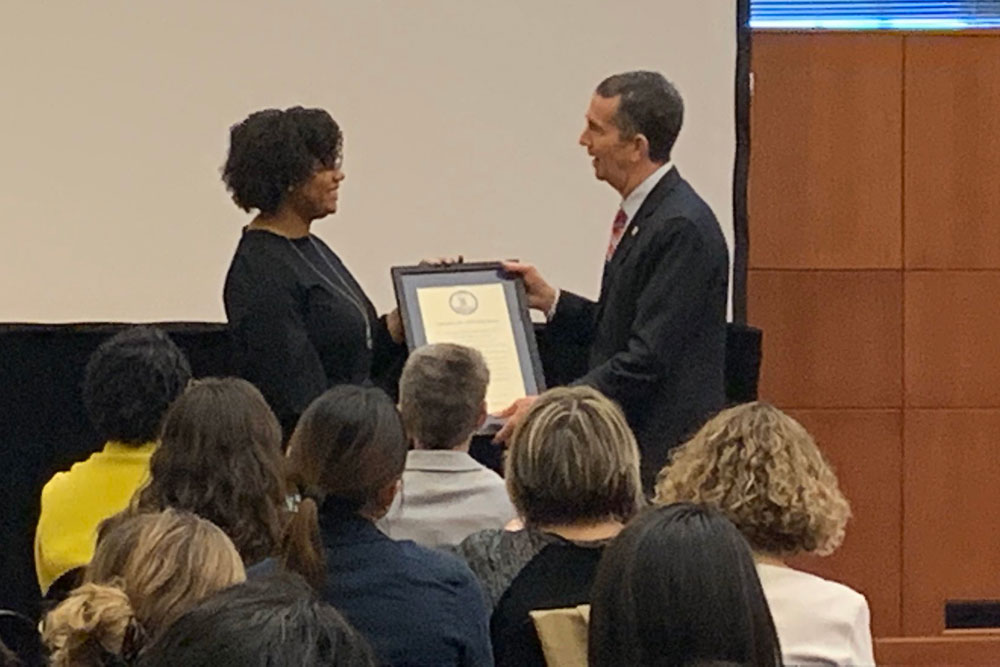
[657, 334]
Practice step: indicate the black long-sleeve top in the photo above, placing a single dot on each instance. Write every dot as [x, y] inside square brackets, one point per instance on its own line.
[298, 323]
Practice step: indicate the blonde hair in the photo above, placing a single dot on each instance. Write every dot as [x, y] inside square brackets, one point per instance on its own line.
[763, 470]
[89, 626]
[573, 458]
[147, 570]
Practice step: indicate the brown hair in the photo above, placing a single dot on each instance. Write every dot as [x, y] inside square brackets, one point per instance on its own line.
[147, 570]
[441, 393]
[763, 470]
[348, 445]
[574, 458]
[220, 457]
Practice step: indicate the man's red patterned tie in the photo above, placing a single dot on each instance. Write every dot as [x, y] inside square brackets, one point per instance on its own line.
[617, 229]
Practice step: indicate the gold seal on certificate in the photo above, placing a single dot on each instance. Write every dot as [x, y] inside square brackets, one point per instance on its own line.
[480, 306]
[463, 302]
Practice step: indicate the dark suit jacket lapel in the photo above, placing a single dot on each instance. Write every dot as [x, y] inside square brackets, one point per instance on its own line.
[635, 230]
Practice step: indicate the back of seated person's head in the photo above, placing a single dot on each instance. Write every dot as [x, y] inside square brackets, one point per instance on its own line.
[763, 470]
[275, 621]
[347, 454]
[147, 570]
[573, 459]
[678, 586]
[220, 458]
[130, 381]
[94, 626]
[442, 395]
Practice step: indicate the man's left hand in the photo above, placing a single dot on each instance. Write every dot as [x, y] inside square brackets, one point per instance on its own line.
[394, 323]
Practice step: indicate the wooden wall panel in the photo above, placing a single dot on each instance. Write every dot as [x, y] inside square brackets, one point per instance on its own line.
[952, 154]
[865, 448]
[825, 172]
[875, 265]
[951, 500]
[831, 338]
[952, 335]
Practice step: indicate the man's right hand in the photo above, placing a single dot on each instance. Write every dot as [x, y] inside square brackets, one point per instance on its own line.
[541, 295]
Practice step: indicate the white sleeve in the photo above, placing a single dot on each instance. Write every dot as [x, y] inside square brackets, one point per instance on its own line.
[550, 313]
[860, 640]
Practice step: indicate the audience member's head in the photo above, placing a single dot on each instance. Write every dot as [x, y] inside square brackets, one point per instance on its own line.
[130, 381]
[573, 459]
[274, 150]
[220, 457]
[275, 621]
[442, 395]
[678, 586]
[762, 470]
[94, 626]
[347, 454]
[147, 570]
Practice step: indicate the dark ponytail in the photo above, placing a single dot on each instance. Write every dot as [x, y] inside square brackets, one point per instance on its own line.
[348, 445]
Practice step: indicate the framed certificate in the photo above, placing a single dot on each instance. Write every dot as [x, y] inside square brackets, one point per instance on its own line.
[478, 305]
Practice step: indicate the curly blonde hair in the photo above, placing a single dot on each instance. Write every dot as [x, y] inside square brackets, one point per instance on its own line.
[763, 470]
[89, 626]
[147, 570]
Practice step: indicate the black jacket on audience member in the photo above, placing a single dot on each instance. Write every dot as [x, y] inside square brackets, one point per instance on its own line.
[559, 576]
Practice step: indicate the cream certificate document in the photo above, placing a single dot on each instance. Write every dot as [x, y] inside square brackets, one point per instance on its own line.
[477, 316]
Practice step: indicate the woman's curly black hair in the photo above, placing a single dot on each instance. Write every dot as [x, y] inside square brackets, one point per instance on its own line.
[130, 381]
[274, 150]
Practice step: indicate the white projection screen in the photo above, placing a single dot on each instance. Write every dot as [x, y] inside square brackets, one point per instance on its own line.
[461, 120]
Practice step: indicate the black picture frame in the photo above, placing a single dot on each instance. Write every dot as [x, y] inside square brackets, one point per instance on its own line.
[407, 279]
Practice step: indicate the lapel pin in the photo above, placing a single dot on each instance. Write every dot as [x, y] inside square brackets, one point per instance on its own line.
[635, 230]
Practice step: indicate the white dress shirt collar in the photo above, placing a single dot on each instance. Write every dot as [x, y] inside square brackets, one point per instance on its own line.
[441, 460]
[633, 202]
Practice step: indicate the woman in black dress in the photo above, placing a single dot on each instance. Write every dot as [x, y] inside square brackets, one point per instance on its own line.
[300, 322]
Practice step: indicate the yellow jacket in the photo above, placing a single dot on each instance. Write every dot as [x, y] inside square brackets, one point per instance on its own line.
[75, 502]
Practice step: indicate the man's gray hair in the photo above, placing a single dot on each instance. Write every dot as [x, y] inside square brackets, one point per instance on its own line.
[441, 392]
